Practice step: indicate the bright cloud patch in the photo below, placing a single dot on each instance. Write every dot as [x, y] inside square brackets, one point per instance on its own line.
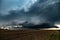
[8, 5]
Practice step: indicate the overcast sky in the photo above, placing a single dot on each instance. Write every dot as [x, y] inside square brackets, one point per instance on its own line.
[34, 11]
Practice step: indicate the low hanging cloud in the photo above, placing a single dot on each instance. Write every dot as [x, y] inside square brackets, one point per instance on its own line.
[33, 11]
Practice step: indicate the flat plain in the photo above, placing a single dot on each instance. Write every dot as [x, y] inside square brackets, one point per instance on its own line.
[29, 35]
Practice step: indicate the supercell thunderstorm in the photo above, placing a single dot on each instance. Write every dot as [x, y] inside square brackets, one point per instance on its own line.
[33, 11]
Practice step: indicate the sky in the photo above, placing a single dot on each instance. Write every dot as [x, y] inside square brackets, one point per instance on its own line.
[33, 11]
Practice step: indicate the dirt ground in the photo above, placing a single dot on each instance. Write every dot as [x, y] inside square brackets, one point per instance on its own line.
[29, 35]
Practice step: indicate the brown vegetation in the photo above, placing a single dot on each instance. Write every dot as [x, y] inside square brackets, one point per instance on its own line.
[27, 35]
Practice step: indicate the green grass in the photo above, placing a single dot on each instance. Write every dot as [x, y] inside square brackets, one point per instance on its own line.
[54, 36]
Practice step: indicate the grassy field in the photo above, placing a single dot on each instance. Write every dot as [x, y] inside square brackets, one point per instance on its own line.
[29, 35]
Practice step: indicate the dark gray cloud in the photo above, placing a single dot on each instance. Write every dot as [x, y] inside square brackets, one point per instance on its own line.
[48, 10]
[40, 12]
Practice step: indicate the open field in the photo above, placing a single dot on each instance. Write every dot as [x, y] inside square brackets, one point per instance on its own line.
[29, 35]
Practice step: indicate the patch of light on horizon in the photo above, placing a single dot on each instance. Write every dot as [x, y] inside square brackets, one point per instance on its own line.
[58, 25]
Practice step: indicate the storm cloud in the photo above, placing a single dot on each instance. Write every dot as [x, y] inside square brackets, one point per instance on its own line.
[33, 11]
